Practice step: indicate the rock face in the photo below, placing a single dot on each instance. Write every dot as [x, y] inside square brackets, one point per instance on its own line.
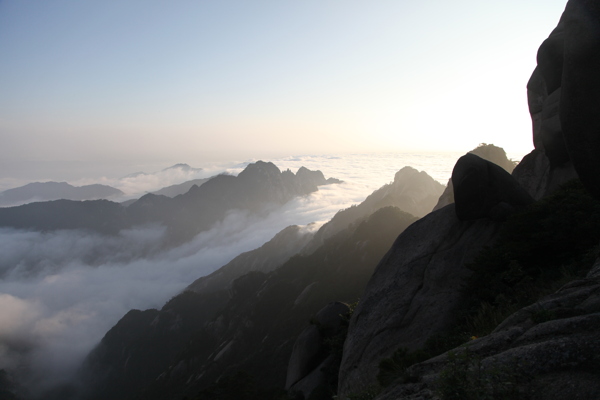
[580, 98]
[412, 293]
[549, 350]
[484, 190]
[308, 355]
[551, 347]
[564, 98]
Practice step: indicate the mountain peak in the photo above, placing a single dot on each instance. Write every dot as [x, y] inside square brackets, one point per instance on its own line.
[182, 166]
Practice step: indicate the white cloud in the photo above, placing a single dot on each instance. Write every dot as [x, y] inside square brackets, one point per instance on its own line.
[64, 290]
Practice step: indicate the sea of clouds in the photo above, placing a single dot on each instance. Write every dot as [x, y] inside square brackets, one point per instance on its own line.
[61, 291]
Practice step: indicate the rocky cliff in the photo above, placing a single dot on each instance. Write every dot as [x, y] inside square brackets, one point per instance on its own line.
[445, 280]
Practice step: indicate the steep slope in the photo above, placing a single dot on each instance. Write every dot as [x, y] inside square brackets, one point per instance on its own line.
[548, 348]
[253, 332]
[412, 191]
[47, 191]
[412, 294]
[181, 188]
[266, 258]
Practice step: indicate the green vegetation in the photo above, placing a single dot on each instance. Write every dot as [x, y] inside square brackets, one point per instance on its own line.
[239, 386]
[465, 379]
[538, 250]
[552, 242]
[396, 367]
[368, 393]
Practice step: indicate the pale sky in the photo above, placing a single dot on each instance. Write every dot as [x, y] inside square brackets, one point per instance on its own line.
[186, 81]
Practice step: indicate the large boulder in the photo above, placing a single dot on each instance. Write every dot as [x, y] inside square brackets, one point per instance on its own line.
[580, 98]
[305, 355]
[412, 293]
[564, 96]
[309, 357]
[484, 190]
[489, 152]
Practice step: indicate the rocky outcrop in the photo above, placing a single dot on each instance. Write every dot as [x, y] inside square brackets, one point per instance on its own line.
[488, 152]
[309, 356]
[549, 350]
[412, 293]
[484, 190]
[580, 98]
[564, 98]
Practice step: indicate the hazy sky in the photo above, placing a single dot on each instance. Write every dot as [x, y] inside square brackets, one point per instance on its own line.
[186, 81]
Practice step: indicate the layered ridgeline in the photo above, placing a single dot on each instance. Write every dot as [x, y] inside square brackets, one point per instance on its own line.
[243, 330]
[507, 273]
[46, 191]
[259, 188]
[411, 191]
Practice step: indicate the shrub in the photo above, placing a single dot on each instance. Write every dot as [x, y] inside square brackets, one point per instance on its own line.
[464, 378]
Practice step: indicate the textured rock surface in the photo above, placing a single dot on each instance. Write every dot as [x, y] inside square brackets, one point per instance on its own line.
[564, 95]
[580, 100]
[484, 190]
[411, 294]
[304, 356]
[556, 359]
[305, 370]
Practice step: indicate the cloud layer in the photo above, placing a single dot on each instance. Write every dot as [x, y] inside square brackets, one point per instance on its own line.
[63, 290]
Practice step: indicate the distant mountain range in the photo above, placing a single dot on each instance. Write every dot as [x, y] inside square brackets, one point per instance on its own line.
[181, 188]
[47, 191]
[257, 189]
[246, 315]
[182, 167]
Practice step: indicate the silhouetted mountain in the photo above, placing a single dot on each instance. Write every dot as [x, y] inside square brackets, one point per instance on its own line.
[266, 258]
[181, 188]
[257, 189]
[252, 330]
[45, 191]
[411, 191]
[181, 167]
[496, 296]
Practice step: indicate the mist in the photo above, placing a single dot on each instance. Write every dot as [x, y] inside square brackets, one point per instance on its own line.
[62, 291]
